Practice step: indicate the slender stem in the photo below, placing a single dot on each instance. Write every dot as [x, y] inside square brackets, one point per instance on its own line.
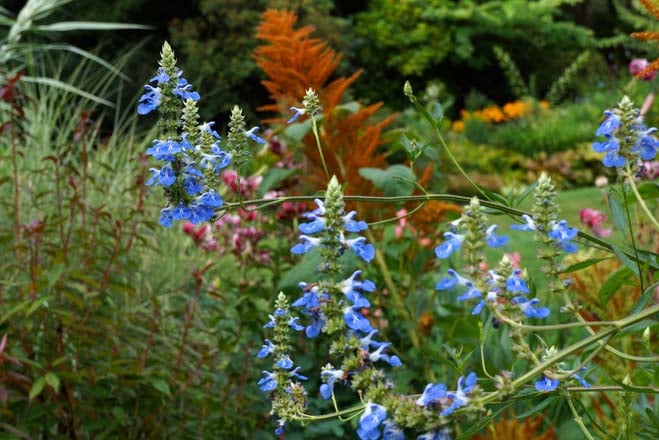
[395, 294]
[552, 326]
[444, 197]
[17, 200]
[631, 236]
[644, 206]
[579, 420]
[314, 128]
[595, 338]
[582, 363]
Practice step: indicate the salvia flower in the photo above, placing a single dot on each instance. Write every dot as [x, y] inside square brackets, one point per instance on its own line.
[442, 434]
[529, 307]
[432, 394]
[626, 138]
[453, 243]
[460, 397]
[330, 376]
[370, 421]
[563, 235]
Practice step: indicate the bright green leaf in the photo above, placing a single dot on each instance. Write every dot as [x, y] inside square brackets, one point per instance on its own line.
[37, 387]
[394, 181]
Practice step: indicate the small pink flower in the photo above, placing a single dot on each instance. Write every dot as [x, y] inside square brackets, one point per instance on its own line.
[515, 258]
[402, 222]
[638, 65]
[595, 219]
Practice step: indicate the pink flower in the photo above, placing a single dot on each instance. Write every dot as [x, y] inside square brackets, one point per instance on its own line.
[594, 219]
[402, 222]
[637, 66]
[514, 258]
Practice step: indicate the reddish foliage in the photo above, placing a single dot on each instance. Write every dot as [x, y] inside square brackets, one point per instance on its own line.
[293, 62]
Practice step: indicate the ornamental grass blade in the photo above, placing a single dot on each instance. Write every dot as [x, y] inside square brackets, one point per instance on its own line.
[66, 26]
[67, 87]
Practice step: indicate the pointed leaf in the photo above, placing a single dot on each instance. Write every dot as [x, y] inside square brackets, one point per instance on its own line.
[52, 380]
[37, 388]
[619, 278]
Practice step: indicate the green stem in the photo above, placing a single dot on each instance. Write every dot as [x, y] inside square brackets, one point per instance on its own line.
[631, 234]
[579, 420]
[644, 206]
[595, 338]
[443, 197]
[395, 294]
[314, 128]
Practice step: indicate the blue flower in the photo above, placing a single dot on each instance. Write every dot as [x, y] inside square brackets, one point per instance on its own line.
[267, 349]
[516, 284]
[367, 341]
[285, 362]
[378, 355]
[208, 127]
[211, 199]
[351, 287]
[562, 234]
[610, 144]
[646, 145]
[355, 320]
[149, 101]
[370, 421]
[184, 90]
[494, 240]
[307, 244]
[163, 177]
[453, 243]
[528, 307]
[459, 397]
[614, 159]
[164, 150]
[331, 376]
[391, 431]
[162, 77]
[352, 225]
[297, 113]
[546, 384]
[317, 225]
[294, 373]
[267, 383]
[251, 133]
[432, 394]
[454, 279]
[442, 434]
[471, 293]
[610, 124]
[363, 250]
[530, 224]
[581, 380]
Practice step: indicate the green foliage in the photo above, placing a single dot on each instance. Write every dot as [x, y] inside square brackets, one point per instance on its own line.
[515, 80]
[117, 326]
[450, 39]
[218, 42]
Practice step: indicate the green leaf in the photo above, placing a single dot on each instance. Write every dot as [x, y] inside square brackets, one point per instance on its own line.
[66, 26]
[544, 403]
[68, 87]
[52, 380]
[619, 278]
[37, 387]
[583, 264]
[160, 385]
[55, 273]
[272, 178]
[617, 213]
[38, 303]
[394, 181]
[649, 191]
[482, 422]
[437, 112]
[628, 262]
[296, 132]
